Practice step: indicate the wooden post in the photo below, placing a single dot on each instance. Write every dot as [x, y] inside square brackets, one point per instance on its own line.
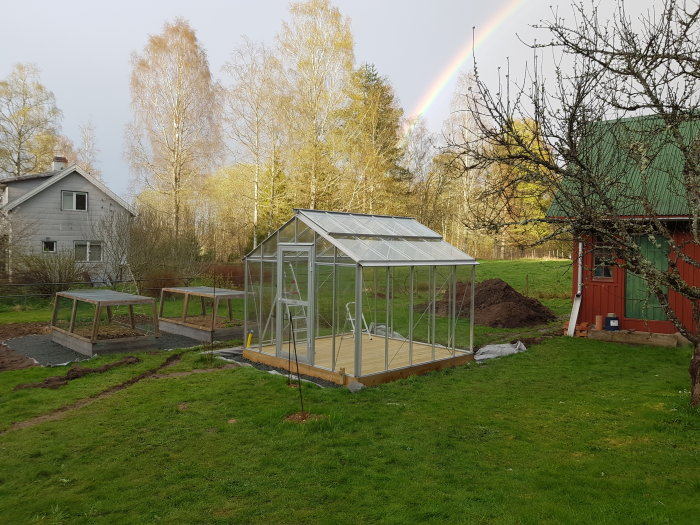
[155, 320]
[96, 322]
[184, 307]
[204, 309]
[213, 314]
[230, 311]
[109, 314]
[131, 316]
[71, 325]
[54, 315]
[161, 303]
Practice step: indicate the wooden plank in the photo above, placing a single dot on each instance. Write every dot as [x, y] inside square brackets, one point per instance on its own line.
[73, 311]
[304, 369]
[402, 373]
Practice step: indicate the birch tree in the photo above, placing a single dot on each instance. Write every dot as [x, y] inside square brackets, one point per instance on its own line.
[29, 122]
[174, 138]
[254, 117]
[316, 48]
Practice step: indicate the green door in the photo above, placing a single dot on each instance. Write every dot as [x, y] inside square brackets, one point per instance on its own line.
[640, 303]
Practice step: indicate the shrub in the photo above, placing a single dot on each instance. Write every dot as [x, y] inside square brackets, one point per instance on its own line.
[50, 272]
[227, 274]
[154, 280]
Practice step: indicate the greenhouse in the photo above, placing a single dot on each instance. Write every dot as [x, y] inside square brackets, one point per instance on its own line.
[353, 297]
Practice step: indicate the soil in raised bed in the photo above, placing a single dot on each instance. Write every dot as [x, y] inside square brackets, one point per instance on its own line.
[205, 321]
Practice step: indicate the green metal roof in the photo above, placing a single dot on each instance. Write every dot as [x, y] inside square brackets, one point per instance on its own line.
[639, 166]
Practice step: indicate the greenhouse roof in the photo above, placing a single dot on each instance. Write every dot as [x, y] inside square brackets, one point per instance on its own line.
[381, 240]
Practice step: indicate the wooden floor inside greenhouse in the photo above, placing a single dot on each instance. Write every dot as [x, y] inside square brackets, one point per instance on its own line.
[374, 359]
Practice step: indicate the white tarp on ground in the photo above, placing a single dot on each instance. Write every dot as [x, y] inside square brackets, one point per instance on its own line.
[491, 351]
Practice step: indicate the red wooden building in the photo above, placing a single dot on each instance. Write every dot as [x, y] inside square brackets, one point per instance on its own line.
[610, 289]
[635, 172]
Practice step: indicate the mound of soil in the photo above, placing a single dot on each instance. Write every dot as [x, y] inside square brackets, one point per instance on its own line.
[498, 305]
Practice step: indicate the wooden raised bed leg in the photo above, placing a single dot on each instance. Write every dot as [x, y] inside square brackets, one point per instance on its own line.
[184, 307]
[131, 316]
[161, 303]
[54, 315]
[155, 320]
[204, 309]
[73, 310]
[230, 313]
[214, 311]
[109, 314]
[96, 322]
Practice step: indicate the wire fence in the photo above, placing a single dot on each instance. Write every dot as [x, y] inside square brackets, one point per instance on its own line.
[14, 293]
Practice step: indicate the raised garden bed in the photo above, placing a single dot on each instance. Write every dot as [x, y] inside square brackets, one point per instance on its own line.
[99, 336]
[206, 325]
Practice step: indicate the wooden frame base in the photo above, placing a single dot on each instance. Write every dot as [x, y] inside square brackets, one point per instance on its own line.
[340, 378]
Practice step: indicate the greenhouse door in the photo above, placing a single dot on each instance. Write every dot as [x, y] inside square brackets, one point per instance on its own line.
[295, 302]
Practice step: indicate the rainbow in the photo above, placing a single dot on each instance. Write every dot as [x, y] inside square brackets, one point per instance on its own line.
[456, 63]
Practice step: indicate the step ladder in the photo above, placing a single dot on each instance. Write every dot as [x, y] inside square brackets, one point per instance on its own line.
[350, 312]
[297, 313]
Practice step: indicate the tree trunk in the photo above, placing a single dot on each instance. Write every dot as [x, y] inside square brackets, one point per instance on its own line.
[694, 370]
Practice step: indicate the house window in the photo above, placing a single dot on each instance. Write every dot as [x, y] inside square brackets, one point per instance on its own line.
[74, 200]
[603, 261]
[48, 246]
[88, 251]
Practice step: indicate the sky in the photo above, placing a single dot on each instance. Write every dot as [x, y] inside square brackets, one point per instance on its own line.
[83, 50]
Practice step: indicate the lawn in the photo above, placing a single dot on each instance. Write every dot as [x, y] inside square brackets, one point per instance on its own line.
[572, 431]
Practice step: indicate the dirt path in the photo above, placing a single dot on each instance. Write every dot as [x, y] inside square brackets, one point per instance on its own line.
[61, 412]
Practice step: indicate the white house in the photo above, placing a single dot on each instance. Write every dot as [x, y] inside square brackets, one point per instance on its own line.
[62, 210]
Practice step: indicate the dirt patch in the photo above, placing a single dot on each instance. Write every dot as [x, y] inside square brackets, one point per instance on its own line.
[61, 412]
[12, 330]
[76, 372]
[496, 304]
[303, 417]
[9, 359]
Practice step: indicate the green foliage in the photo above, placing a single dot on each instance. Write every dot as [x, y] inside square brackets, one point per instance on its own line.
[29, 120]
[572, 431]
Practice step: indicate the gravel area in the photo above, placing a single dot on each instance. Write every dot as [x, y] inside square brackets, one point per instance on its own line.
[47, 353]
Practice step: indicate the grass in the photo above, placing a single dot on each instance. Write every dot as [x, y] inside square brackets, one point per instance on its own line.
[548, 281]
[572, 431]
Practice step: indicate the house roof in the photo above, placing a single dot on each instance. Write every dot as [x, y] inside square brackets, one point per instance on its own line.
[30, 176]
[640, 166]
[371, 240]
[53, 177]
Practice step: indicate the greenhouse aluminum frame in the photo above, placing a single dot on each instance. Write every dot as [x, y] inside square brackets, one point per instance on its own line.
[283, 281]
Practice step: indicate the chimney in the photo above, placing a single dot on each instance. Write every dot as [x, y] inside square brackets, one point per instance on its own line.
[59, 163]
